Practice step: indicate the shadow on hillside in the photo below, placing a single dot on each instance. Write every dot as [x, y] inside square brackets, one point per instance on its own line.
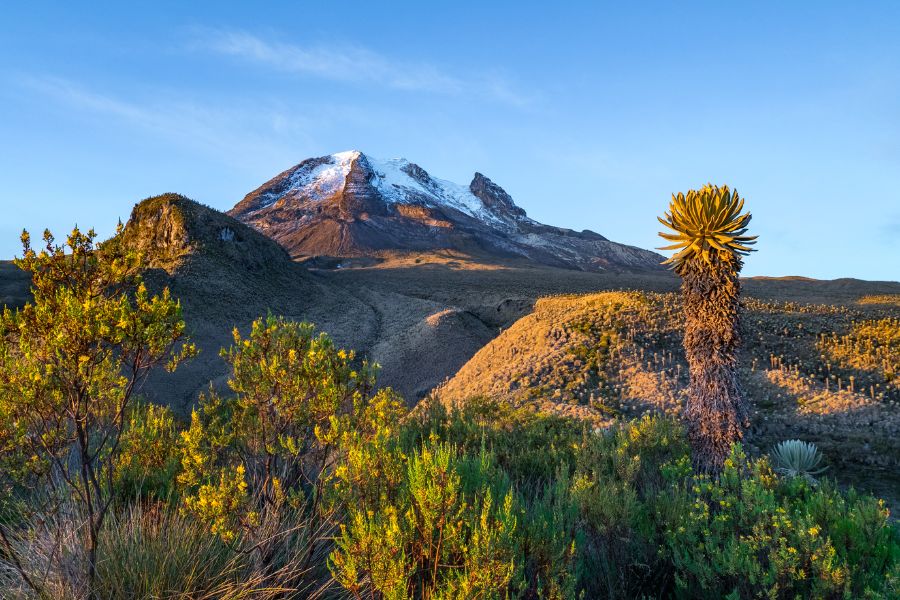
[15, 285]
[859, 437]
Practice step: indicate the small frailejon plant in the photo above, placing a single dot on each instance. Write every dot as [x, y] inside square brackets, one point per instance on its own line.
[796, 458]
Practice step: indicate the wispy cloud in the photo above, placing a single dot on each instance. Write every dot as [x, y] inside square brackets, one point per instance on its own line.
[356, 65]
[235, 134]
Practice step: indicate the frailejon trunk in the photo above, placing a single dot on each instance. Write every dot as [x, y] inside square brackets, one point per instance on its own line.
[716, 412]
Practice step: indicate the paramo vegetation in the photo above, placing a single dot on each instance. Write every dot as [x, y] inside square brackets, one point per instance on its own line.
[303, 479]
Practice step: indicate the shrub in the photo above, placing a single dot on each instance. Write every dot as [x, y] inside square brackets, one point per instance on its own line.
[304, 478]
[253, 461]
[620, 513]
[531, 447]
[148, 460]
[447, 529]
[751, 534]
[619, 476]
[70, 362]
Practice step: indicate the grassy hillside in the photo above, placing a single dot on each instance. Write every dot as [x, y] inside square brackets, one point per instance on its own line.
[822, 373]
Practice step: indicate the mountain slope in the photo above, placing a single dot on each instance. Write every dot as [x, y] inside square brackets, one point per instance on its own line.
[600, 356]
[350, 204]
[225, 274]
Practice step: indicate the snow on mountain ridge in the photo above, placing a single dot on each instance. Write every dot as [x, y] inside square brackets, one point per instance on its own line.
[397, 180]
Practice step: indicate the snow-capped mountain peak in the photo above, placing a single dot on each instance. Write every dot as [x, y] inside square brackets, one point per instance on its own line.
[397, 180]
[351, 204]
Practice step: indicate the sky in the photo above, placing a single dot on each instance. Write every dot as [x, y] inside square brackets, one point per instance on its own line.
[589, 114]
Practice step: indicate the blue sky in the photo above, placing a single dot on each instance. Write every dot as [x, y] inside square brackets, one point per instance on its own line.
[590, 115]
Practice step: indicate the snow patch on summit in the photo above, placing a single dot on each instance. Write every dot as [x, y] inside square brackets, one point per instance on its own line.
[396, 184]
[397, 180]
[326, 179]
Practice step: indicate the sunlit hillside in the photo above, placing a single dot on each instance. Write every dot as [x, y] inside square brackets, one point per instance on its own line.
[823, 373]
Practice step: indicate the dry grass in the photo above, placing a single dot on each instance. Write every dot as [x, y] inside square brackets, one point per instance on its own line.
[890, 299]
[155, 551]
[850, 408]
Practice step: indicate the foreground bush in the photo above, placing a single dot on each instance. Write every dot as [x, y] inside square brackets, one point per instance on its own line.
[751, 533]
[488, 502]
[446, 529]
[253, 461]
[617, 514]
[70, 363]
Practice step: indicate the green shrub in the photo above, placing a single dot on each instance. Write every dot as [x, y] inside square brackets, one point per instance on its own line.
[750, 533]
[530, 447]
[447, 529]
[618, 513]
[264, 447]
[618, 477]
[552, 542]
[148, 459]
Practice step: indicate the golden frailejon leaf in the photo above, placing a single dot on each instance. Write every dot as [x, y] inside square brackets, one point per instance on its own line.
[706, 223]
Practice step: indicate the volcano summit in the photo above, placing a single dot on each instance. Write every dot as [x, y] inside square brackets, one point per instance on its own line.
[350, 204]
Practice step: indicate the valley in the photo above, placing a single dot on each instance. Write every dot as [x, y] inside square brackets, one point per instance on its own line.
[554, 355]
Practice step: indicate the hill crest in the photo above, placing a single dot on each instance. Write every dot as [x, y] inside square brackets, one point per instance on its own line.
[170, 228]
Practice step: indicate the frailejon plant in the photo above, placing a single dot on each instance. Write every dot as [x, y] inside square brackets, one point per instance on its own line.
[796, 458]
[70, 363]
[709, 234]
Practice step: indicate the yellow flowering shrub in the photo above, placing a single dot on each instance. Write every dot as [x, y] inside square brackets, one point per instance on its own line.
[148, 457]
[751, 534]
[70, 362]
[437, 532]
[295, 400]
[223, 504]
